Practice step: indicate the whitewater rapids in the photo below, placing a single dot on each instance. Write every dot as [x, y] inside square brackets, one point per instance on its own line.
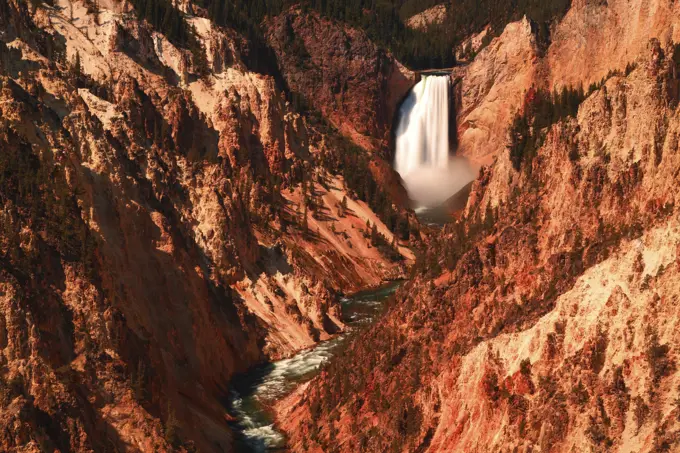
[254, 393]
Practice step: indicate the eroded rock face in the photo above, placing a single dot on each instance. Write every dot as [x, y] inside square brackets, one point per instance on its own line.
[592, 40]
[597, 37]
[431, 16]
[491, 89]
[340, 72]
[143, 263]
[550, 326]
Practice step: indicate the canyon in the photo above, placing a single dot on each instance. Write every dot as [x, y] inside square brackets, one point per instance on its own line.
[543, 320]
[167, 222]
[186, 203]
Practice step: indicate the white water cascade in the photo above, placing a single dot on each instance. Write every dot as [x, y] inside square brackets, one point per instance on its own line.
[422, 144]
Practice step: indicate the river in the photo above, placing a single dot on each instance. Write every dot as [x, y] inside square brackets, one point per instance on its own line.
[254, 393]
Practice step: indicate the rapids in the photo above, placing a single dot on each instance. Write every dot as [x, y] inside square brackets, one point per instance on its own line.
[254, 393]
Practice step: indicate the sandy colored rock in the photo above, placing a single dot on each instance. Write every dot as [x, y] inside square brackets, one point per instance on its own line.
[430, 16]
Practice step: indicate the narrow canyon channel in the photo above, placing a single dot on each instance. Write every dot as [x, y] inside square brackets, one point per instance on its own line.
[254, 393]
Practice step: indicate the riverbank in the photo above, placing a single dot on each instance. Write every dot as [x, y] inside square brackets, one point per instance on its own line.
[254, 393]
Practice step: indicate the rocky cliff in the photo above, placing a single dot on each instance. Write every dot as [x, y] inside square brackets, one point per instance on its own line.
[544, 320]
[491, 88]
[430, 16]
[591, 41]
[145, 189]
[595, 38]
[339, 71]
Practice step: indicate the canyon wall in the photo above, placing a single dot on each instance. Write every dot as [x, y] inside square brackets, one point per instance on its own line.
[592, 40]
[430, 16]
[490, 89]
[339, 71]
[595, 38]
[166, 223]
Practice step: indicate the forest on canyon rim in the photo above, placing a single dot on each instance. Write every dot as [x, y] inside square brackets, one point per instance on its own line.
[192, 189]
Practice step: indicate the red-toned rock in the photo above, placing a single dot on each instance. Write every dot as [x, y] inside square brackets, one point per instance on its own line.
[153, 242]
[355, 84]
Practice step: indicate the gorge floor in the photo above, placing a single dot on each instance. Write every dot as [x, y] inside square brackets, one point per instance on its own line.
[255, 392]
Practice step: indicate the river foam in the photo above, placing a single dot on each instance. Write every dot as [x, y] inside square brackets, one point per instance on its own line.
[254, 393]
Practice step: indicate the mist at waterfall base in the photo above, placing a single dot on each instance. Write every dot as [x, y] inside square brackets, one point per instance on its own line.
[422, 159]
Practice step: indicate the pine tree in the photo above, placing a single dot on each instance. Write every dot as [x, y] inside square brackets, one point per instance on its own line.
[76, 69]
[139, 382]
[489, 220]
[343, 206]
[35, 4]
[519, 137]
[305, 225]
[172, 428]
[94, 9]
[375, 235]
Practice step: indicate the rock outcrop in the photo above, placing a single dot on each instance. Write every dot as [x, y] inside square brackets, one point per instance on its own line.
[340, 72]
[491, 88]
[595, 38]
[591, 41]
[431, 16]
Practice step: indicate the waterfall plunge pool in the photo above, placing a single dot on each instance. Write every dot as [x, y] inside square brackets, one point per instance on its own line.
[254, 393]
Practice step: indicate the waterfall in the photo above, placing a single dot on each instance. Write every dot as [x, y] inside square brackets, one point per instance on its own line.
[422, 144]
[422, 137]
